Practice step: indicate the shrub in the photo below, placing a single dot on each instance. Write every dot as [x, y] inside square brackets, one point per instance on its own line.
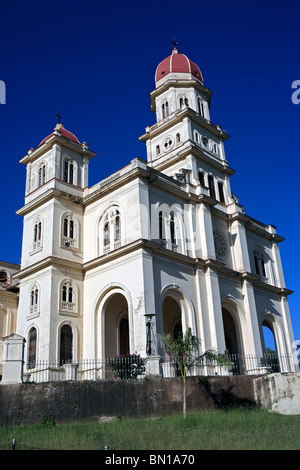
[128, 366]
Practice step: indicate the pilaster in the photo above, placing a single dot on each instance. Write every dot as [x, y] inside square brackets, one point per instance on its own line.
[204, 240]
[217, 339]
[241, 256]
[252, 343]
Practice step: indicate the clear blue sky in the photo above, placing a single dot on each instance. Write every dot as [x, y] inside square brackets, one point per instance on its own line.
[94, 62]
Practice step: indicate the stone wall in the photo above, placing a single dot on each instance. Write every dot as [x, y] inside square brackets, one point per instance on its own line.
[279, 392]
[90, 400]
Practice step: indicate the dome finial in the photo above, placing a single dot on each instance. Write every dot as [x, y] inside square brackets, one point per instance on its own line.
[175, 49]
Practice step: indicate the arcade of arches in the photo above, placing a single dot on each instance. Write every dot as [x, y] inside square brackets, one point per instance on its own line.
[117, 332]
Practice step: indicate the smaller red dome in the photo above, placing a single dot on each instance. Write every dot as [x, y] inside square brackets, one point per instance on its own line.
[64, 132]
[177, 63]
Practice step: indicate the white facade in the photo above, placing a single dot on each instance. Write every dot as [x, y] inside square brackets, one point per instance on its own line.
[164, 237]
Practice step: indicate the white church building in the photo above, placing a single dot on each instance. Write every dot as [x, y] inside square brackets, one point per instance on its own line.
[163, 240]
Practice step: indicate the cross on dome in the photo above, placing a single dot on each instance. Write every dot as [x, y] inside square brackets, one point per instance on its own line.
[59, 117]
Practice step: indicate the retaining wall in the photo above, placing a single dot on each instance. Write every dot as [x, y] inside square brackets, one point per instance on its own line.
[90, 400]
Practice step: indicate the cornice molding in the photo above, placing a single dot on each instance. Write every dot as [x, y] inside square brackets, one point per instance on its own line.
[152, 248]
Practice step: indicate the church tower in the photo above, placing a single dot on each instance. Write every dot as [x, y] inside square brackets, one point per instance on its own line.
[188, 147]
[184, 142]
[52, 249]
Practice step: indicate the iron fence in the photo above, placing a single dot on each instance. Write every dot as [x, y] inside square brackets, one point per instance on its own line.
[134, 367]
[126, 367]
[238, 364]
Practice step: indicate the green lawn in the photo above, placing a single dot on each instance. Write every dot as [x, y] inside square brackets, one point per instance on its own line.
[237, 429]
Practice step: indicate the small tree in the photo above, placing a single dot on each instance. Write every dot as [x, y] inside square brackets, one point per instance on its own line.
[185, 351]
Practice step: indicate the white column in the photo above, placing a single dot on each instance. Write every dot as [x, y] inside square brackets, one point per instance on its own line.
[85, 173]
[217, 338]
[287, 326]
[28, 179]
[206, 240]
[252, 343]
[240, 248]
[57, 170]
[278, 271]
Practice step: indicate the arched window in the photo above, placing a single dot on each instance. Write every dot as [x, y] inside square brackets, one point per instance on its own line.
[34, 299]
[177, 138]
[201, 178]
[66, 345]
[112, 230]
[37, 234]
[221, 192]
[201, 107]
[42, 174]
[183, 101]
[157, 150]
[165, 109]
[68, 296]
[34, 296]
[211, 185]
[69, 171]
[37, 231]
[32, 348]
[69, 231]
[259, 263]
[167, 229]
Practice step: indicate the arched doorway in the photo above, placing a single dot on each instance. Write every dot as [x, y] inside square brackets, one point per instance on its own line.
[268, 334]
[231, 341]
[270, 358]
[171, 317]
[172, 326]
[116, 326]
[66, 345]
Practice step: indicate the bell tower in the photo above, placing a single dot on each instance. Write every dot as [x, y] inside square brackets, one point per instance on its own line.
[59, 156]
[52, 250]
[184, 141]
[56, 176]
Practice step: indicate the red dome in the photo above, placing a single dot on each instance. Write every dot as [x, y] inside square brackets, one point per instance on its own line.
[177, 63]
[64, 132]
